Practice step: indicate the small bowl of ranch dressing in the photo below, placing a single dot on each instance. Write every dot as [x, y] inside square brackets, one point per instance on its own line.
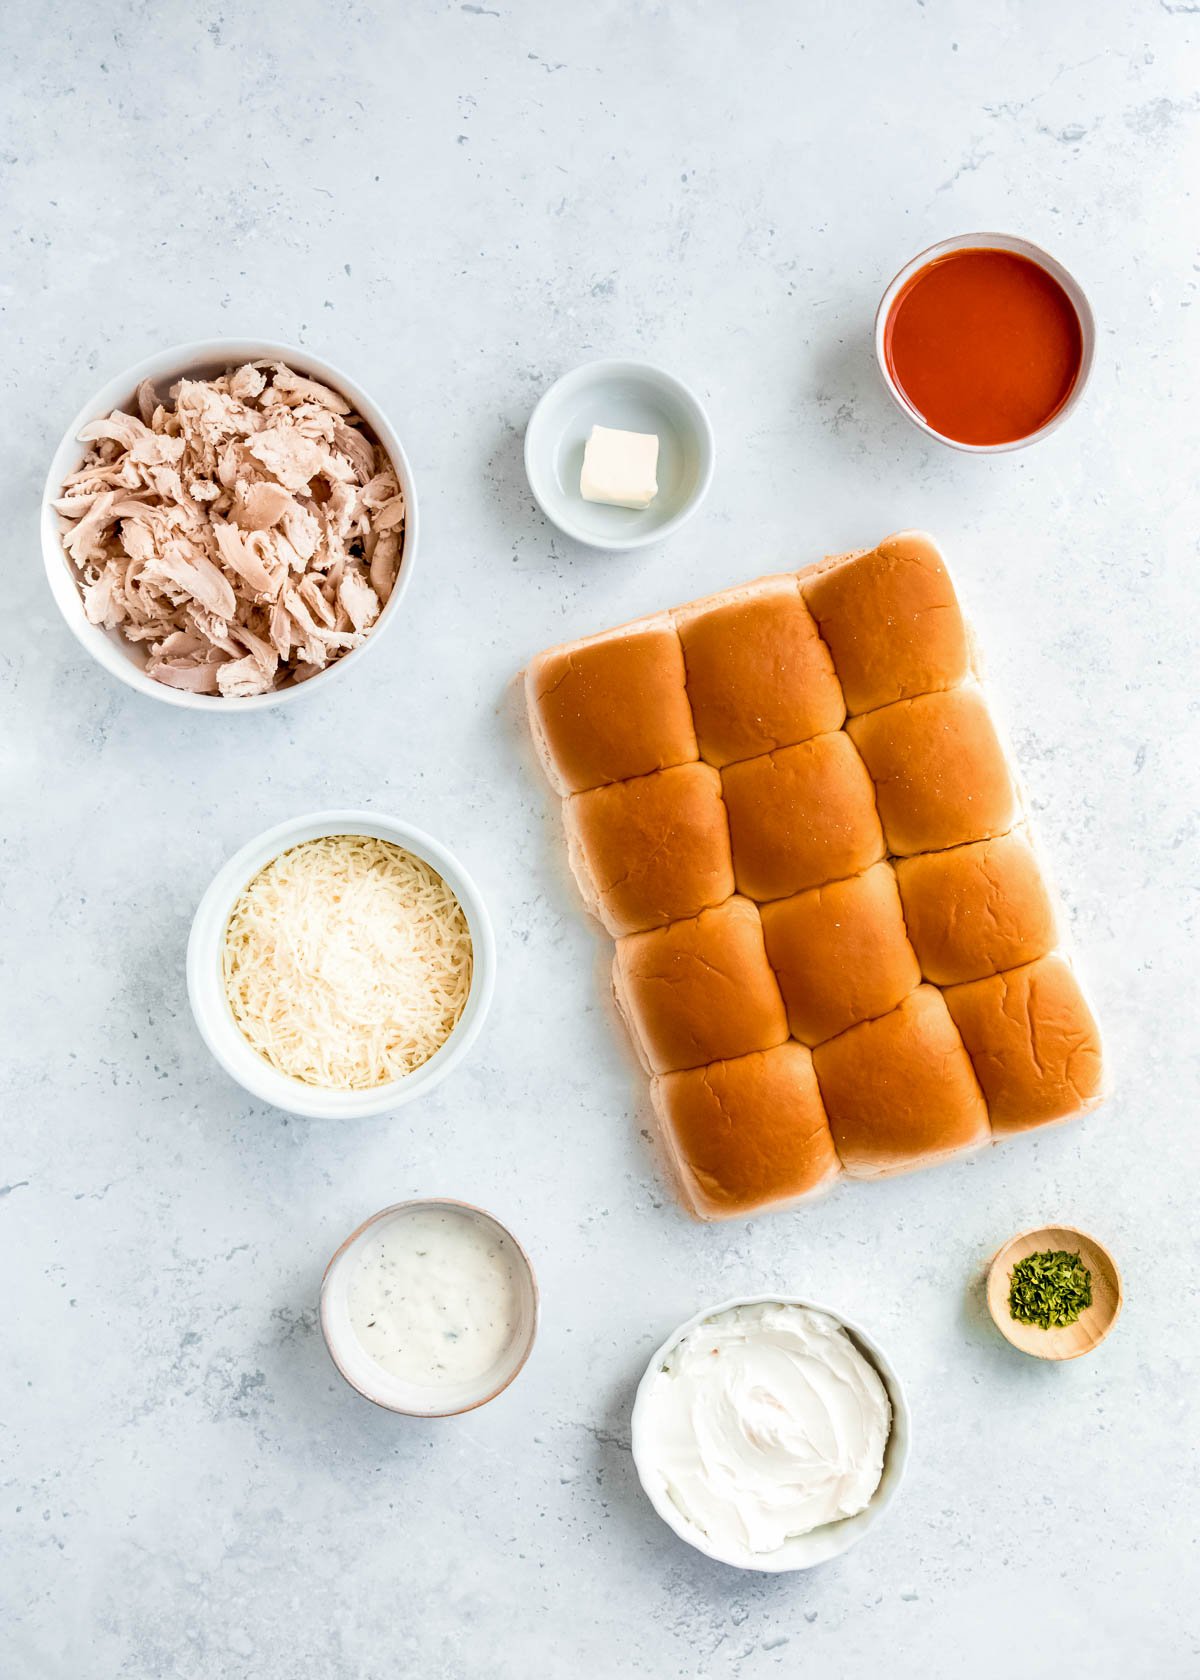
[430, 1308]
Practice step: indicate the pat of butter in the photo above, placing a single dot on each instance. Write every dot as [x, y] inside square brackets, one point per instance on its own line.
[620, 468]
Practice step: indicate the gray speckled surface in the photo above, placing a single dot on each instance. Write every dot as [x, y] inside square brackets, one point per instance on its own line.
[457, 203]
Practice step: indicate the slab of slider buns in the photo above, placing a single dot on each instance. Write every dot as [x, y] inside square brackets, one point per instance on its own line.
[836, 949]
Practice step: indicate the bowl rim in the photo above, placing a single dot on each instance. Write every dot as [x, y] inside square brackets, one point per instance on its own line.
[210, 1006]
[648, 372]
[896, 1452]
[1019, 246]
[338, 1256]
[999, 1260]
[105, 646]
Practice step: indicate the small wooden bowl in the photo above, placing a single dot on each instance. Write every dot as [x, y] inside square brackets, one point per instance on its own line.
[1092, 1325]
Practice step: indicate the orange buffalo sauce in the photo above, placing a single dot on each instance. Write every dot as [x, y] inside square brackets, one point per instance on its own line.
[985, 345]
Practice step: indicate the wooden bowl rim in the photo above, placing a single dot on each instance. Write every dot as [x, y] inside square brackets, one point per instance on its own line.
[1038, 1231]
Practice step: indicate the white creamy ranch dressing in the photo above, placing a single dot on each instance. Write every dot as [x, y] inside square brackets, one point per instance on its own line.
[434, 1298]
[765, 1422]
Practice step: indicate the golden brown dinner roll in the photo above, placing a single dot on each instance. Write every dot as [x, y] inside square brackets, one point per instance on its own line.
[977, 909]
[758, 674]
[1033, 1041]
[747, 1134]
[941, 778]
[653, 849]
[840, 953]
[611, 707]
[900, 1092]
[700, 990]
[892, 621]
[801, 816]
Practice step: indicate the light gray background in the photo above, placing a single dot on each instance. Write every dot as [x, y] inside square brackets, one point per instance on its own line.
[459, 202]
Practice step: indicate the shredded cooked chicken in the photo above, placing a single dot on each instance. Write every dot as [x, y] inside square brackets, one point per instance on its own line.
[249, 532]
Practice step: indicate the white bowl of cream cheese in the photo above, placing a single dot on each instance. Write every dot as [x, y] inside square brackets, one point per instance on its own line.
[770, 1433]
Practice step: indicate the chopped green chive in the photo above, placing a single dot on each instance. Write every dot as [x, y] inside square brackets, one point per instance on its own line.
[1049, 1289]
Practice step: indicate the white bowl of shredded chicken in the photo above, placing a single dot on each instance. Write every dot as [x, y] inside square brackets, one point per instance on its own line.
[341, 964]
[227, 523]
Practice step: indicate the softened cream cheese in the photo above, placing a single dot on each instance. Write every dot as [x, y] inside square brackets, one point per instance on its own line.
[766, 1422]
[435, 1298]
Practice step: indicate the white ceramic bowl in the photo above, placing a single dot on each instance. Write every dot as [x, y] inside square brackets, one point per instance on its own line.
[204, 359]
[990, 242]
[633, 397]
[803, 1550]
[390, 1391]
[215, 1019]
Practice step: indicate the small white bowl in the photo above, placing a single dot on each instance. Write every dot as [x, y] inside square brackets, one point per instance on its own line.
[802, 1551]
[1021, 248]
[633, 397]
[206, 987]
[205, 359]
[382, 1387]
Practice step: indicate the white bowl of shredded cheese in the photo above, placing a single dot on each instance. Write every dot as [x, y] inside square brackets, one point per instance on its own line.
[341, 964]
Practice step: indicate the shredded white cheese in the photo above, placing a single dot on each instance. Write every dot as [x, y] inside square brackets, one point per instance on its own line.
[347, 962]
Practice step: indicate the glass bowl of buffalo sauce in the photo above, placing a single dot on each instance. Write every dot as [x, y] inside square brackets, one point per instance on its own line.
[985, 342]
